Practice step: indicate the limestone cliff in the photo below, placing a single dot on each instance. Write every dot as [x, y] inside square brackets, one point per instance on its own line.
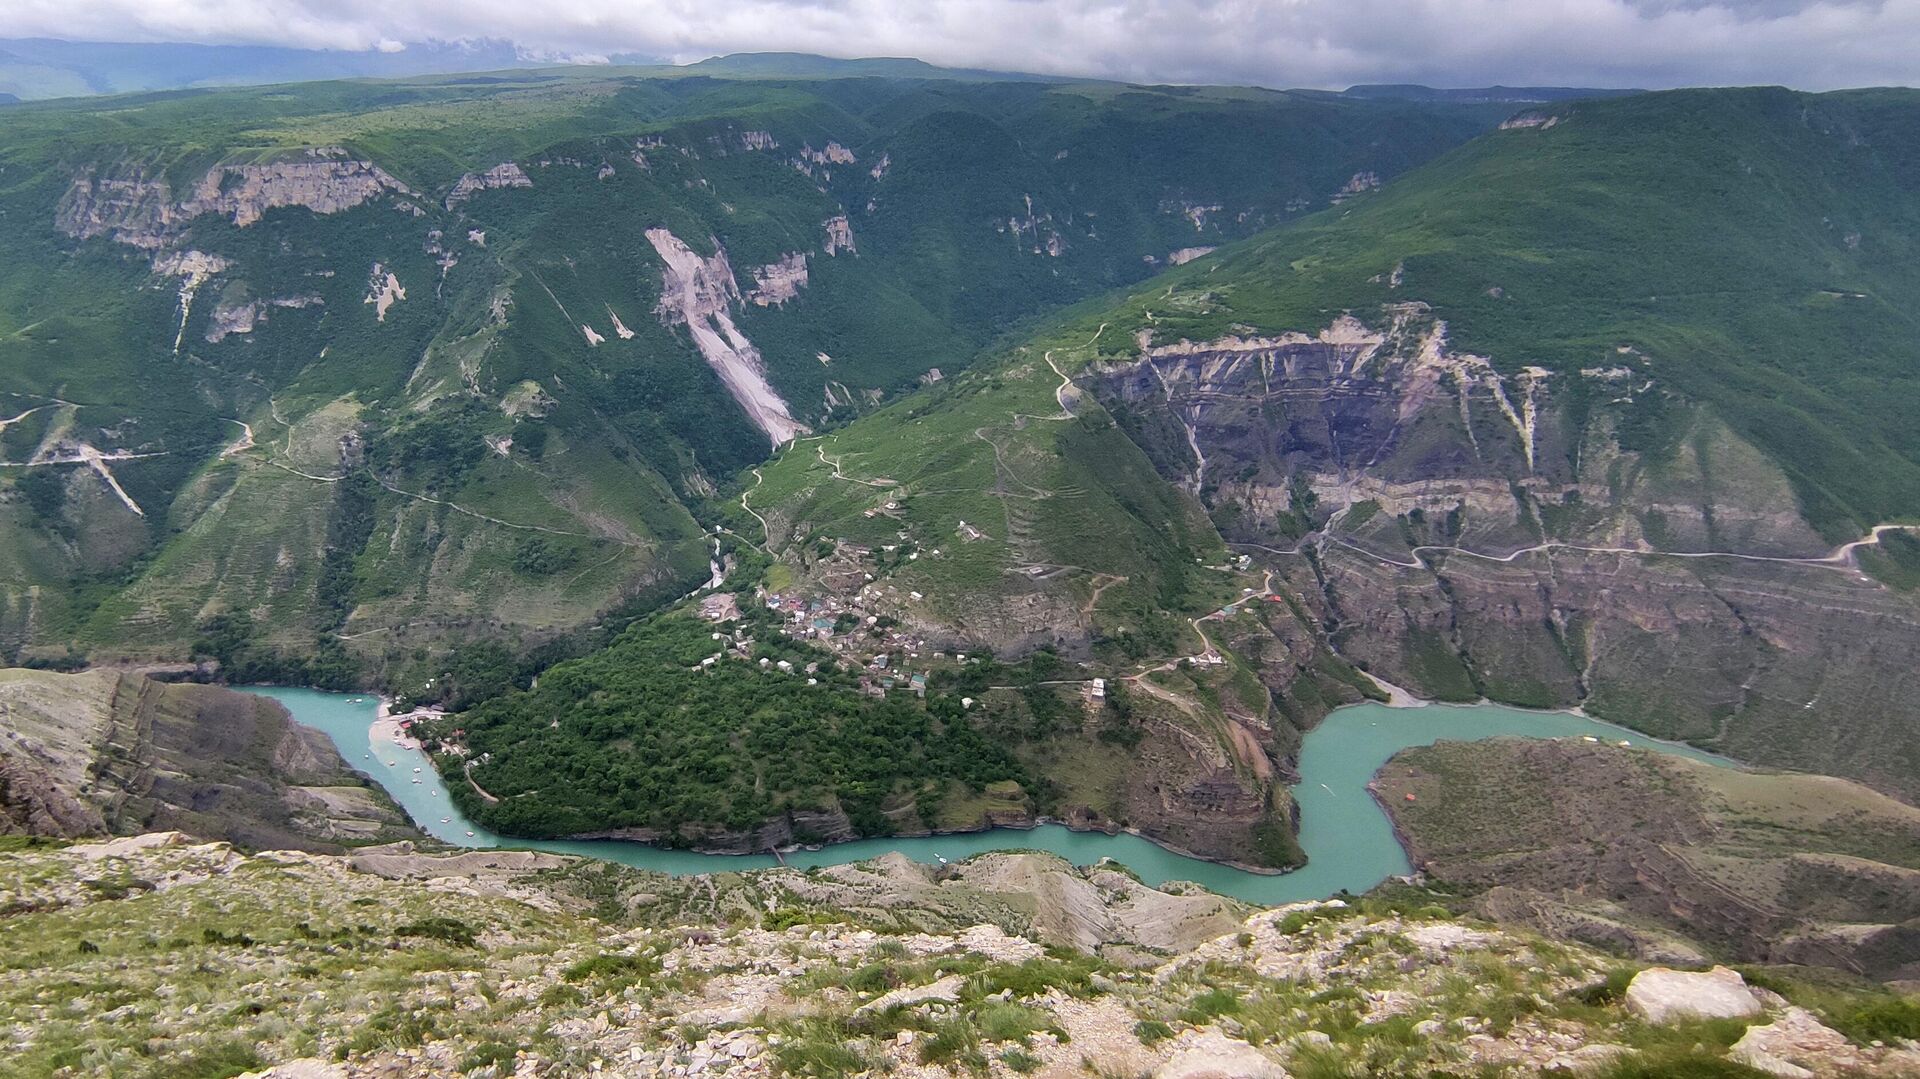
[132, 205]
[504, 175]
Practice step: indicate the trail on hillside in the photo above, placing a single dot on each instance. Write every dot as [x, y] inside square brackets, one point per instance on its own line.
[758, 479]
[243, 443]
[1842, 556]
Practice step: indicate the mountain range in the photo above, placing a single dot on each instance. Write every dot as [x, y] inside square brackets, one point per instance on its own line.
[786, 450]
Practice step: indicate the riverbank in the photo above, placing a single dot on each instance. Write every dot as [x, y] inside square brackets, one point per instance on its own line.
[1034, 824]
[1349, 841]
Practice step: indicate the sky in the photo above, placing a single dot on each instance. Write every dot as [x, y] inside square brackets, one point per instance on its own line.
[1809, 44]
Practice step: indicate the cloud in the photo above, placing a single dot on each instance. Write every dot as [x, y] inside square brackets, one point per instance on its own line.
[1812, 44]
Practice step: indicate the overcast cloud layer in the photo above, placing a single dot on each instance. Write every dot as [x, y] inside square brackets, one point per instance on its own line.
[1280, 43]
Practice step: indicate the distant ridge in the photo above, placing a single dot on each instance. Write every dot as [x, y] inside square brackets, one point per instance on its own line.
[1482, 95]
[802, 65]
[38, 68]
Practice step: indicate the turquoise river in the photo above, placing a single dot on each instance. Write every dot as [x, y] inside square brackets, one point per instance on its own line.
[1349, 843]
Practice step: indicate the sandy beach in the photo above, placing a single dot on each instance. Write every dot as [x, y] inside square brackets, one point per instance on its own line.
[387, 731]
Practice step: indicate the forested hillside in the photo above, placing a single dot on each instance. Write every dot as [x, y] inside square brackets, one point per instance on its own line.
[308, 379]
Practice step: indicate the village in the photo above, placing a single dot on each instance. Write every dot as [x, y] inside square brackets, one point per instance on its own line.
[845, 618]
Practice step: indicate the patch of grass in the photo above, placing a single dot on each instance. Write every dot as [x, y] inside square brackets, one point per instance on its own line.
[1152, 1031]
[1008, 1022]
[954, 1043]
[443, 929]
[1678, 1064]
[613, 971]
[213, 1062]
[817, 1048]
[1886, 1019]
[1070, 973]
[1021, 1061]
[1210, 1005]
[489, 1054]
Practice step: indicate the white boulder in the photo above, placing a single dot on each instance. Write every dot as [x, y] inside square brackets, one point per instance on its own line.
[1663, 995]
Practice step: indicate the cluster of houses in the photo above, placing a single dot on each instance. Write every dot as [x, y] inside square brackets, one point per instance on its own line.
[882, 649]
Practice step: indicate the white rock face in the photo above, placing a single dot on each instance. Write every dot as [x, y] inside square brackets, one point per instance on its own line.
[246, 192]
[1661, 995]
[1359, 184]
[133, 208]
[305, 1068]
[777, 282]
[193, 268]
[1187, 254]
[700, 293]
[383, 291]
[1212, 1055]
[243, 318]
[505, 174]
[946, 990]
[1790, 1044]
[839, 234]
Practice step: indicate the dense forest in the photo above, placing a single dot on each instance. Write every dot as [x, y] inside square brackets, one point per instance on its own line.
[639, 735]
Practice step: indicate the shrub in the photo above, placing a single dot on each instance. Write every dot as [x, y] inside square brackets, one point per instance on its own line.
[1151, 1031]
[446, 930]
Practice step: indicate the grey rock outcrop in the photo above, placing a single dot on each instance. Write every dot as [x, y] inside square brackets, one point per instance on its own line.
[135, 206]
[1663, 995]
[504, 175]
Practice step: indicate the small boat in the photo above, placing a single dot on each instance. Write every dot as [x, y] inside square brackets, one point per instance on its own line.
[469, 835]
[446, 820]
[941, 858]
[416, 769]
[416, 779]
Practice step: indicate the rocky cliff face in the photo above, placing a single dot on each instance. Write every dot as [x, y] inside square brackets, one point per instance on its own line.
[777, 282]
[1391, 414]
[797, 826]
[1616, 845]
[504, 175]
[1468, 532]
[105, 753]
[132, 206]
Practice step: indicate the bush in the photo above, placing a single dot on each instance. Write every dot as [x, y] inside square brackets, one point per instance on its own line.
[612, 968]
[1880, 1019]
[446, 930]
[1151, 1031]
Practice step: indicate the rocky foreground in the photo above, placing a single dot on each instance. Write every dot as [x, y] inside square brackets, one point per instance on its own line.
[158, 955]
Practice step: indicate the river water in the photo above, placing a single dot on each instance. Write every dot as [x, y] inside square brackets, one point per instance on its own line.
[1349, 843]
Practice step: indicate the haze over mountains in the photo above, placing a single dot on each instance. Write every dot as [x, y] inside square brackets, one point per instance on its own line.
[33, 69]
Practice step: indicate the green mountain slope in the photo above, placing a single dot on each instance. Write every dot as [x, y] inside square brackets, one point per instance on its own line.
[378, 366]
[1575, 414]
[1753, 247]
